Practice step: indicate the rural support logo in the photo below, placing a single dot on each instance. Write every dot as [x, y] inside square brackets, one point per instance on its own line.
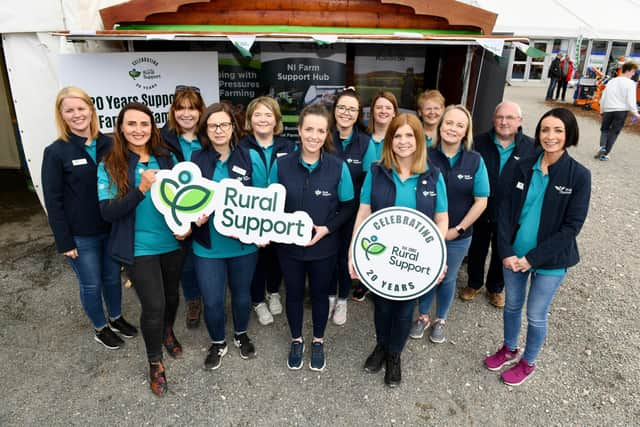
[182, 195]
[398, 253]
[250, 214]
[145, 72]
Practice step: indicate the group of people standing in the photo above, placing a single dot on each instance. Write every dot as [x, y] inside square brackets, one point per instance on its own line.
[527, 198]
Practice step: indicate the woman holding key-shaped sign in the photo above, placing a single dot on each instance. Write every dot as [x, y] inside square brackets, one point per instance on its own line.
[220, 259]
[140, 237]
[404, 178]
[318, 183]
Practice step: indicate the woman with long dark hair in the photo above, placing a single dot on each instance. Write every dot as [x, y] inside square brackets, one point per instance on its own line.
[140, 237]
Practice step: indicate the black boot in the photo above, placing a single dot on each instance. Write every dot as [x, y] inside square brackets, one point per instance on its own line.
[393, 370]
[376, 359]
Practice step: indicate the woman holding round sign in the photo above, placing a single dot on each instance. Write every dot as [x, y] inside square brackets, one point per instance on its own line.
[69, 169]
[355, 147]
[404, 179]
[467, 182]
[140, 237]
[264, 123]
[180, 134]
[384, 107]
[318, 183]
[546, 199]
[222, 260]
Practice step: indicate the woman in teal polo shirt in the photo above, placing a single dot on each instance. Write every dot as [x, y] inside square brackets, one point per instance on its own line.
[467, 182]
[140, 236]
[384, 107]
[545, 203]
[222, 260]
[405, 170]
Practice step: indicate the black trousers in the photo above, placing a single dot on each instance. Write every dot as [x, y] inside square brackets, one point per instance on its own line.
[562, 86]
[484, 235]
[155, 279]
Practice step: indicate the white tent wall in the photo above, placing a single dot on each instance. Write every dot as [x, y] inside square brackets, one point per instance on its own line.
[31, 53]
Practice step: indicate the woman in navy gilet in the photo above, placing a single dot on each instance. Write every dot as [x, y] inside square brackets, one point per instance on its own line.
[355, 147]
[263, 121]
[467, 182]
[409, 181]
[318, 183]
[181, 135]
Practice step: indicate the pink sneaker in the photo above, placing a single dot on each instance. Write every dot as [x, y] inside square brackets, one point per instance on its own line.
[518, 374]
[502, 358]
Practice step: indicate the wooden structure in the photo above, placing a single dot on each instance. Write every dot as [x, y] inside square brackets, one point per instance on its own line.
[397, 14]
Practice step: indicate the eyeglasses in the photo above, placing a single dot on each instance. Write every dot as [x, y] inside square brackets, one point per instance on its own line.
[507, 118]
[345, 109]
[224, 126]
[180, 88]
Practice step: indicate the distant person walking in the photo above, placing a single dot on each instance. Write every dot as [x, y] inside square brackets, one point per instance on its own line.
[618, 98]
[554, 76]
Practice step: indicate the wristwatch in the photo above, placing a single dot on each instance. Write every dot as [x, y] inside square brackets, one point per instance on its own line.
[460, 230]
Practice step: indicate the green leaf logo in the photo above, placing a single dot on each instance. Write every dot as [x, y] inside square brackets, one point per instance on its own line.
[372, 246]
[189, 198]
[134, 73]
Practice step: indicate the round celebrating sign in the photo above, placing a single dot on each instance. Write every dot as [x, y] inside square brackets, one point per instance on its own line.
[398, 253]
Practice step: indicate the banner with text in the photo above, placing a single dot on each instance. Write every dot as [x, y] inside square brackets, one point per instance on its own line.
[115, 79]
[298, 75]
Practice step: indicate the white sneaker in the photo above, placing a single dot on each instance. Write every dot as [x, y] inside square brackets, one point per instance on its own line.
[264, 315]
[332, 305]
[275, 306]
[340, 313]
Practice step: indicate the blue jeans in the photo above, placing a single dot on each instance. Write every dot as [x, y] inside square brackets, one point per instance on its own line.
[393, 322]
[295, 273]
[612, 124]
[188, 278]
[543, 289]
[99, 277]
[444, 292]
[212, 276]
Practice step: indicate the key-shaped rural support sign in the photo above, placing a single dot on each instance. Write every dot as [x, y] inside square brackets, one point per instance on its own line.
[251, 214]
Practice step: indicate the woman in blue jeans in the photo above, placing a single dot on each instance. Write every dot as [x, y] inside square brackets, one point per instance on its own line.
[70, 194]
[404, 178]
[220, 259]
[467, 181]
[546, 199]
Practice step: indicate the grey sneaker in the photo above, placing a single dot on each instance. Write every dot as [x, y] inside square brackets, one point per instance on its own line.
[437, 332]
[273, 301]
[264, 315]
[417, 330]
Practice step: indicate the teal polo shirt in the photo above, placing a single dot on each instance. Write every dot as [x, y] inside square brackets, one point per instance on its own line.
[504, 153]
[480, 179]
[428, 140]
[345, 186]
[527, 235]
[260, 171]
[221, 246]
[152, 234]
[91, 150]
[188, 147]
[377, 147]
[406, 192]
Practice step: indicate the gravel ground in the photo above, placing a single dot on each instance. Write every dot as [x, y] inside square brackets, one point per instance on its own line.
[588, 371]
